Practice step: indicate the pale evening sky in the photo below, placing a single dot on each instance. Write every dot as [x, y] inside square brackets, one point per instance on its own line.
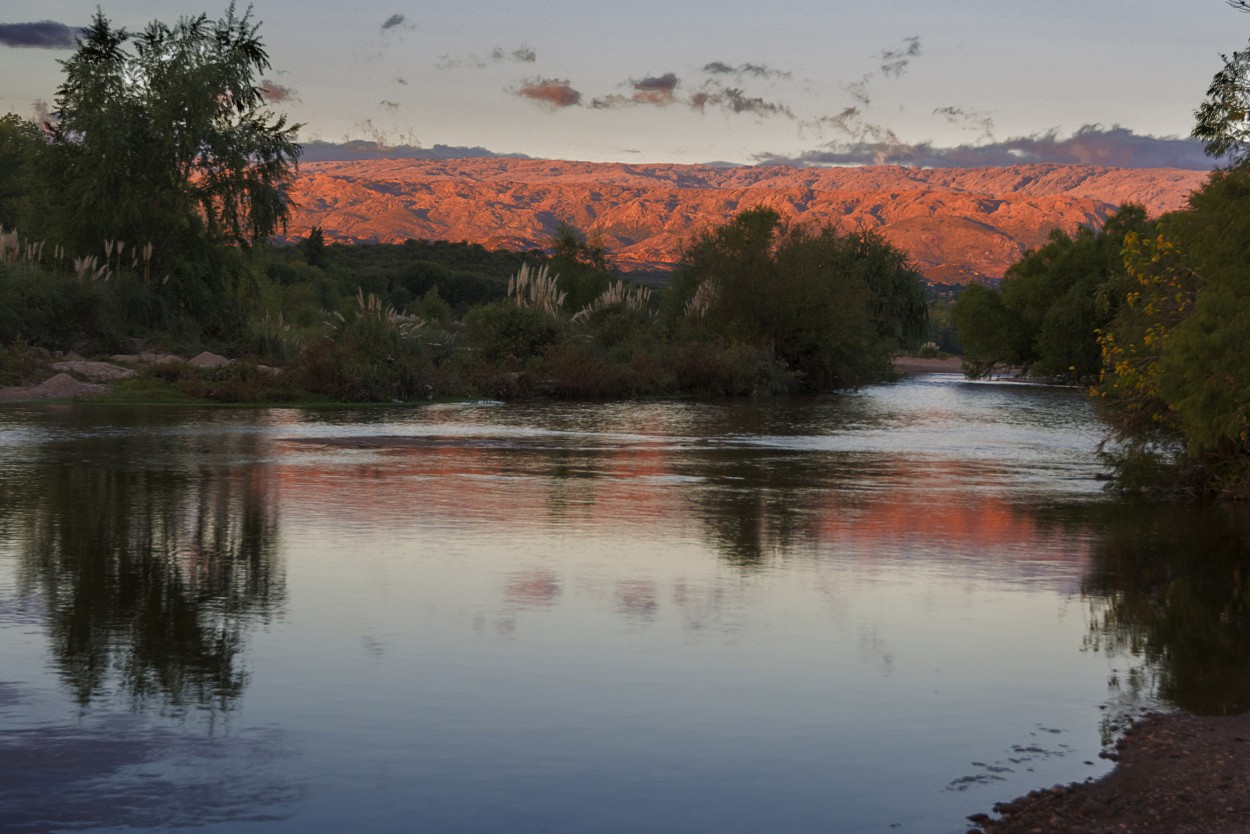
[910, 81]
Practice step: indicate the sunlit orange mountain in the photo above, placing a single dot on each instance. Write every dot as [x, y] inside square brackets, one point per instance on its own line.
[956, 224]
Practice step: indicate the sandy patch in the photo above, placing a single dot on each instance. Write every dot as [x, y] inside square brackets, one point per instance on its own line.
[915, 365]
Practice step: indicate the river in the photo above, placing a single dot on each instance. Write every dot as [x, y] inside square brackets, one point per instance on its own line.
[874, 612]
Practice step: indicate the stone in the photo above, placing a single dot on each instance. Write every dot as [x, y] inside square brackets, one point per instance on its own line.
[208, 360]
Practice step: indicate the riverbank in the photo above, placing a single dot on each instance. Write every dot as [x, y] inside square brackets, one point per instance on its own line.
[80, 379]
[1176, 773]
[916, 365]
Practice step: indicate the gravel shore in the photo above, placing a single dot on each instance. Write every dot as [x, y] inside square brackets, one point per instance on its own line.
[1177, 773]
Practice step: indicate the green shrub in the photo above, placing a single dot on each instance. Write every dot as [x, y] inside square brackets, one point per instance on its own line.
[20, 364]
[503, 333]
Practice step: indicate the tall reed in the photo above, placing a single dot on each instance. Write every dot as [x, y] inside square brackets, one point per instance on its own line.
[630, 296]
[538, 289]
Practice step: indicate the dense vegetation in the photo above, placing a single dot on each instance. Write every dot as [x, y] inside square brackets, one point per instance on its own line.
[1153, 314]
[1175, 382]
[141, 216]
[1045, 316]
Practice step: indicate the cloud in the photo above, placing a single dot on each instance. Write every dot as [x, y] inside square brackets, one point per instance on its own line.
[1095, 144]
[858, 90]
[522, 54]
[357, 149]
[552, 93]
[665, 83]
[857, 132]
[446, 62]
[978, 120]
[654, 90]
[734, 100]
[276, 92]
[395, 20]
[46, 34]
[742, 70]
[894, 61]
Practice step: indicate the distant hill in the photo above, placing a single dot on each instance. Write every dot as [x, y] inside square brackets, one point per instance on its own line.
[957, 224]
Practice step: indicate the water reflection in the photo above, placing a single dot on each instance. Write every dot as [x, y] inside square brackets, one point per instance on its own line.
[826, 614]
[1169, 592]
[150, 576]
[119, 771]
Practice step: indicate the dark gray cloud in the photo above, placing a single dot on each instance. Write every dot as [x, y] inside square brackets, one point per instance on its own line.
[522, 54]
[1113, 146]
[657, 90]
[552, 93]
[734, 100]
[276, 92]
[743, 70]
[858, 90]
[356, 149]
[46, 34]
[393, 21]
[894, 61]
[975, 120]
[854, 129]
[665, 83]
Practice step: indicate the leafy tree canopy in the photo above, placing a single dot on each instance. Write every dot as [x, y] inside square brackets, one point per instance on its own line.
[1223, 120]
[581, 265]
[1045, 315]
[165, 135]
[20, 143]
[834, 309]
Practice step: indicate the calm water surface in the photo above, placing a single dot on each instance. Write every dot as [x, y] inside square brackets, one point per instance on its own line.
[871, 613]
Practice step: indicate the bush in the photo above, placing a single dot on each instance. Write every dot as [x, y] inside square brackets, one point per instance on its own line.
[20, 364]
[506, 334]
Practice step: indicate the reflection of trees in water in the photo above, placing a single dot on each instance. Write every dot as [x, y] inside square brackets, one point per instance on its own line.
[1170, 589]
[151, 576]
[755, 506]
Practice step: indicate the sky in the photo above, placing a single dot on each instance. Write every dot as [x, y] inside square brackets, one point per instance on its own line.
[808, 82]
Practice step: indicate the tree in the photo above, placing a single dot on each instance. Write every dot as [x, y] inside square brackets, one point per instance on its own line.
[20, 143]
[171, 141]
[1175, 381]
[834, 309]
[314, 247]
[990, 333]
[581, 264]
[1045, 316]
[1223, 120]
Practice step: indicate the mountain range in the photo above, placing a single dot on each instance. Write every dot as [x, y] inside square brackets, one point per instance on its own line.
[957, 225]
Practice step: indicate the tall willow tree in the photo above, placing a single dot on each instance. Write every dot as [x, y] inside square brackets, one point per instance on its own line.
[165, 138]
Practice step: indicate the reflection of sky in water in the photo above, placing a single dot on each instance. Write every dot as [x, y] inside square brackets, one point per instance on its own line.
[123, 771]
[830, 614]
